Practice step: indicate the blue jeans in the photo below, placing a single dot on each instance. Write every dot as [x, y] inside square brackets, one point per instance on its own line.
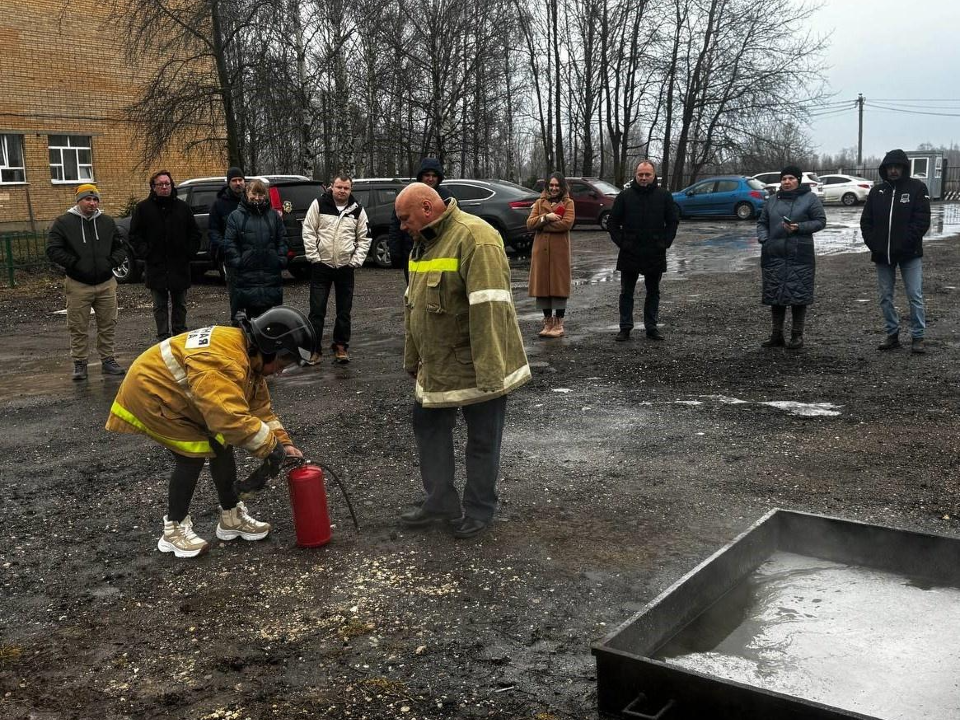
[433, 430]
[912, 273]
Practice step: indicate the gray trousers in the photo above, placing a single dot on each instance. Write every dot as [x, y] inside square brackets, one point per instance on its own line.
[433, 429]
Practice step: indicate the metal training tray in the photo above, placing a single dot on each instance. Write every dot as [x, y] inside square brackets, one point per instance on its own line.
[801, 616]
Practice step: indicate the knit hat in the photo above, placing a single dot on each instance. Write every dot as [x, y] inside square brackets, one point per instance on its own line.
[792, 170]
[87, 190]
[234, 172]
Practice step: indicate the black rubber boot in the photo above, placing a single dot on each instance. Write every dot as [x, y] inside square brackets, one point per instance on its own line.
[796, 333]
[778, 313]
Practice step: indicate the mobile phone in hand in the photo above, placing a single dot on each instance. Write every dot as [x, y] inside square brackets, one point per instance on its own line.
[787, 220]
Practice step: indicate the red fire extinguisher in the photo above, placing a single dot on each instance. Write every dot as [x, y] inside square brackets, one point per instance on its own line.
[308, 499]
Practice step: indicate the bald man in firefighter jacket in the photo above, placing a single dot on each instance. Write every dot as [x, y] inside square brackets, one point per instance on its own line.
[464, 348]
[199, 394]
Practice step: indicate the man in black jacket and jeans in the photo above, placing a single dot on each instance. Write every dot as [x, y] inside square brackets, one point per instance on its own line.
[643, 223]
[895, 218]
[164, 233]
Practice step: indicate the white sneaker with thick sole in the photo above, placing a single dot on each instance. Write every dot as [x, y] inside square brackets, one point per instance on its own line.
[237, 523]
[180, 539]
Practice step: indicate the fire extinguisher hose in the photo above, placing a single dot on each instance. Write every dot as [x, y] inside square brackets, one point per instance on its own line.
[346, 497]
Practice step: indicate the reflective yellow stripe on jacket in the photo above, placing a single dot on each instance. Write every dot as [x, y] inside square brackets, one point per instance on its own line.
[443, 264]
[197, 447]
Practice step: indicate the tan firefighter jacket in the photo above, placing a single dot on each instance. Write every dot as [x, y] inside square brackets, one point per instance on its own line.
[196, 386]
[462, 336]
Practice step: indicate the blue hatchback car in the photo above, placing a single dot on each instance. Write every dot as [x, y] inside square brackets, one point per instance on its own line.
[735, 195]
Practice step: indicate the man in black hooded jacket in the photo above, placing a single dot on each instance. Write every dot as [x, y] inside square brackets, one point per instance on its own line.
[400, 243]
[164, 233]
[643, 223]
[895, 218]
[228, 199]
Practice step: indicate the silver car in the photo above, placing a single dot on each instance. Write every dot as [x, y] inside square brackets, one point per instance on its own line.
[846, 189]
[771, 181]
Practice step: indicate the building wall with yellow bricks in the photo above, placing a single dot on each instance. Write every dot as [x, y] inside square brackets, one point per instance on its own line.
[64, 72]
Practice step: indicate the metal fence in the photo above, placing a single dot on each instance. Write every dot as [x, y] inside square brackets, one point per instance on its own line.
[949, 189]
[22, 253]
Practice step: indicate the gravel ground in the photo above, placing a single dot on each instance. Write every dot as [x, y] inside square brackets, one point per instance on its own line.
[624, 465]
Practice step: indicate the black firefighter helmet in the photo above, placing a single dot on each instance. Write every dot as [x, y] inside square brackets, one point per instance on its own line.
[281, 331]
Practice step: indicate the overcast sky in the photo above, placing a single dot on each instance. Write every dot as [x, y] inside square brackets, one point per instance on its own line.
[890, 50]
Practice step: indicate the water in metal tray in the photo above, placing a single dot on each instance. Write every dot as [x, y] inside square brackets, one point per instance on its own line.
[850, 637]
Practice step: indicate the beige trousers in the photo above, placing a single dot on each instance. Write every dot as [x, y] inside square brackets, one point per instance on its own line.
[103, 299]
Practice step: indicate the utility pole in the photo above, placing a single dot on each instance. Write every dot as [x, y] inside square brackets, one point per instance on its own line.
[860, 134]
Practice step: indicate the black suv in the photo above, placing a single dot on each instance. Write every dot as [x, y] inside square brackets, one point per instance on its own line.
[502, 204]
[377, 196]
[290, 196]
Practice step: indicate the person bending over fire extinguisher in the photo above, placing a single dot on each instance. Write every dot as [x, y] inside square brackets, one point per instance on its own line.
[202, 393]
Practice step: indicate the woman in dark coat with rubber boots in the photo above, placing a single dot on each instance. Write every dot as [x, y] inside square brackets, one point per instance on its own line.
[787, 261]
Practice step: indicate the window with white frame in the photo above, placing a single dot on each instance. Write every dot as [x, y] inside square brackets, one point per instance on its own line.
[918, 168]
[11, 159]
[70, 158]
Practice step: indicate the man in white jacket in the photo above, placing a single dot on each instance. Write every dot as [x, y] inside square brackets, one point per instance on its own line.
[336, 243]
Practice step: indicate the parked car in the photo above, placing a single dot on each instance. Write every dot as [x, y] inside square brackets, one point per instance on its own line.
[290, 196]
[503, 204]
[592, 198]
[771, 180]
[377, 196]
[735, 195]
[846, 189]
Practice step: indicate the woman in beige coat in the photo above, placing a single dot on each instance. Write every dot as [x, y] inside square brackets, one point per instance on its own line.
[551, 218]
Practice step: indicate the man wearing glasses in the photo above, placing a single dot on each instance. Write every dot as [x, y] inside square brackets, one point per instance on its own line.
[165, 236]
[86, 244]
[643, 224]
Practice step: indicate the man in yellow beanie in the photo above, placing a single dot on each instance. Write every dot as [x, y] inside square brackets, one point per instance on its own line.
[86, 244]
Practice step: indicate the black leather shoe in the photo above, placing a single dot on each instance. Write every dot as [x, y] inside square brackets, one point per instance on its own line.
[422, 518]
[469, 527]
[654, 334]
[622, 336]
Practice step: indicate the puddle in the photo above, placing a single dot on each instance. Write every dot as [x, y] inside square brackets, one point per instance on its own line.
[805, 409]
[822, 409]
[711, 246]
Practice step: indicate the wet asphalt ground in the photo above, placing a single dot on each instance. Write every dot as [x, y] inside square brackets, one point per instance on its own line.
[624, 465]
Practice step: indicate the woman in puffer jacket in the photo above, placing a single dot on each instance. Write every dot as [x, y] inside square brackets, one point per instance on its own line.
[255, 248]
[787, 261]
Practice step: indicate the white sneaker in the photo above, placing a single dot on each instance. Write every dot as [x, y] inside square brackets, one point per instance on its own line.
[237, 523]
[180, 539]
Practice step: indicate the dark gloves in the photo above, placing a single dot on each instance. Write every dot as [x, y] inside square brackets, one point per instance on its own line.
[255, 481]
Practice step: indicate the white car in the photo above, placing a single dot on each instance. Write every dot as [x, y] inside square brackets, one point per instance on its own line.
[771, 181]
[846, 189]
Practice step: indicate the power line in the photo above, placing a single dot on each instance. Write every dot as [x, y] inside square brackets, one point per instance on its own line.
[910, 100]
[910, 112]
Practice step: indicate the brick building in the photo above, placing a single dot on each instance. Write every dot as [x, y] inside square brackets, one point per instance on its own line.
[66, 81]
